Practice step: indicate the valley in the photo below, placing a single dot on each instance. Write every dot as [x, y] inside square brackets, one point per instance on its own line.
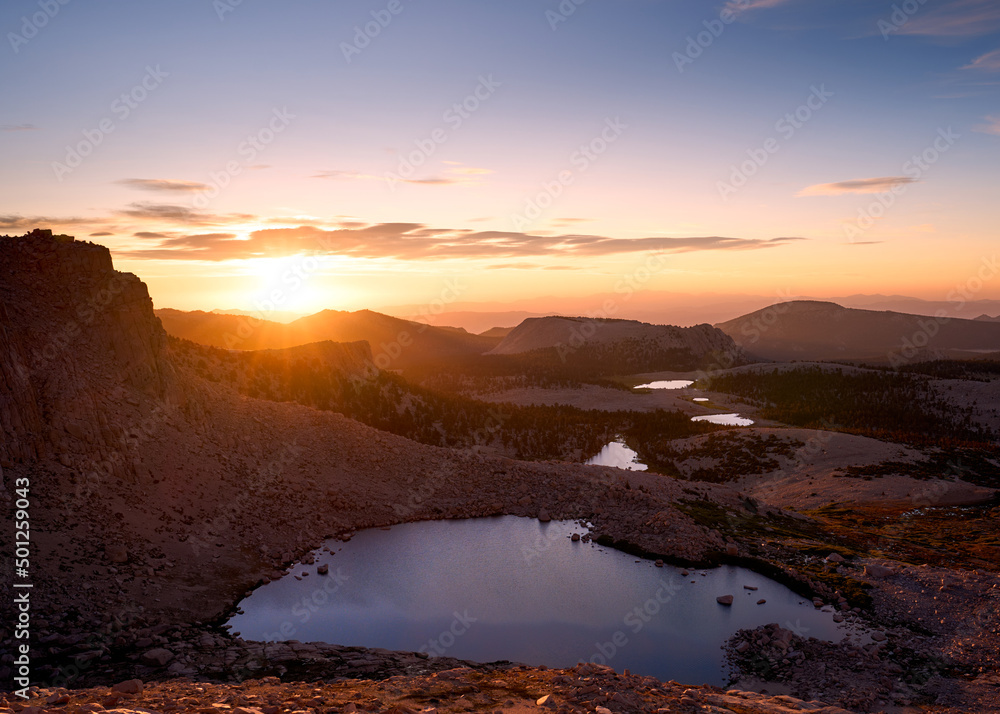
[171, 479]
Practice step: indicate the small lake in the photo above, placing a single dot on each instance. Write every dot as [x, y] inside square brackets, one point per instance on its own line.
[700, 399]
[666, 384]
[725, 419]
[619, 455]
[510, 588]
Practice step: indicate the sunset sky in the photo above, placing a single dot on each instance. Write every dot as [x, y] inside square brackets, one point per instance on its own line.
[358, 155]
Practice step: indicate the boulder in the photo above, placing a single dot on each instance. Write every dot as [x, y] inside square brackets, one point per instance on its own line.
[835, 558]
[543, 515]
[878, 571]
[323, 569]
[157, 657]
[724, 599]
[129, 686]
[732, 549]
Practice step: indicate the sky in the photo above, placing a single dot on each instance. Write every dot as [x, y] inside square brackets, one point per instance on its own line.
[306, 155]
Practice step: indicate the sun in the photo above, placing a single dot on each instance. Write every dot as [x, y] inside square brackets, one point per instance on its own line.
[290, 284]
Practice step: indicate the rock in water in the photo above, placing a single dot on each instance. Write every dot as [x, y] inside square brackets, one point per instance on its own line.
[543, 515]
[323, 569]
[724, 599]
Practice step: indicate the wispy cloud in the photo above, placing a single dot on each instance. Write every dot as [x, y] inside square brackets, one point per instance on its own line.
[341, 174]
[992, 126]
[989, 62]
[452, 176]
[864, 185]
[434, 181]
[18, 127]
[414, 241]
[960, 18]
[739, 6]
[168, 185]
[182, 215]
[14, 222]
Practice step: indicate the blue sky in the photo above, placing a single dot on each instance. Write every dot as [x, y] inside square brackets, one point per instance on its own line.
[551, 87]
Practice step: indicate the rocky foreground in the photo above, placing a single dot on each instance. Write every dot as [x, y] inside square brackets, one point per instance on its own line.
[584, 688]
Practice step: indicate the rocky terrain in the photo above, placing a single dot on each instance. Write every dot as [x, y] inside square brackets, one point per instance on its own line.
[583, 688]
[159, 498]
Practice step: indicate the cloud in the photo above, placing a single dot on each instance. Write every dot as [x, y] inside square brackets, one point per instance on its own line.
[100, 233]
[991, 127]
[18, 127]
[173, 213]
[865, 185]
[739, 6]
[164, 185]
[452, 177]
[434, 181]
[414, 241]
[14, 222]
[357, 175]
[989, 62]
[149, 234]
[960, 18]
[338, 174]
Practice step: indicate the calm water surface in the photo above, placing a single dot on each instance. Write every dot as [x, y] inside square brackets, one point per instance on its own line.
[619, 455]
[666, 384]
[727, 419]
[516, 589]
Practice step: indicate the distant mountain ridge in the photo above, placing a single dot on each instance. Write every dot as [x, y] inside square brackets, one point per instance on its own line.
[626, 345]
[395, 343]
[817, 330]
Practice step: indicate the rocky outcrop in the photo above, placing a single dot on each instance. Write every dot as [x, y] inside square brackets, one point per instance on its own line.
[77, 340]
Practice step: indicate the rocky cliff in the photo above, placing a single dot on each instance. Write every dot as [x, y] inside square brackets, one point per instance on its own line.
[77, 339]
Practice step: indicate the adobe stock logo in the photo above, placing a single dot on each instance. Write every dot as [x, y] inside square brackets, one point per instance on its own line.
[31, 25]
[122, 109]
